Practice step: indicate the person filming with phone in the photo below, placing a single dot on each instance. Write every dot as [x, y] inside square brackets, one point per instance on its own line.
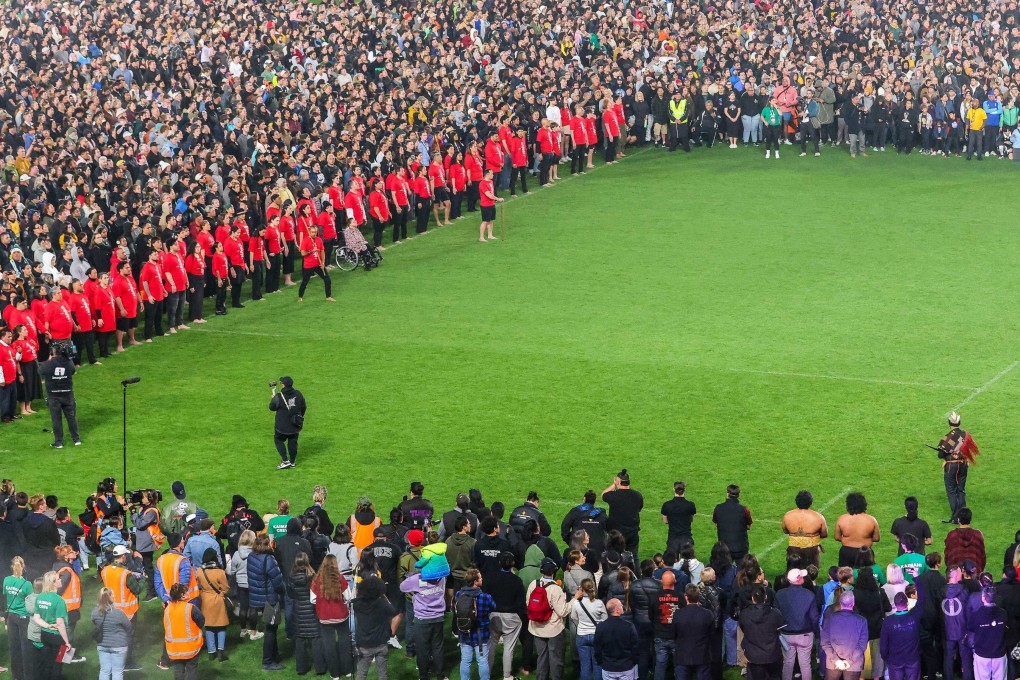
[289, 405]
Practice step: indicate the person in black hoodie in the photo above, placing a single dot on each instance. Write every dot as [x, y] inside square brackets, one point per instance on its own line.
[934, 585]
[41, 537]
[616, 643]
[643, 594]
[290, 407]
[306, 621]
[761, 624]
[588, 517]
[507, 591]
[387, 559]
[986, 631]
[239, 518]
[489, 547]
[318, 543]
[287, 548]
[529, 510]
[873, 604]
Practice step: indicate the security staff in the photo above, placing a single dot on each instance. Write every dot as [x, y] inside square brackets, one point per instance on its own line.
[58, 373]
[956, 450]
[289, 406]
[679, 123]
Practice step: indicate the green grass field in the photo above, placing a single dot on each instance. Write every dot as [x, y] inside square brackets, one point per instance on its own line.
[717, 318]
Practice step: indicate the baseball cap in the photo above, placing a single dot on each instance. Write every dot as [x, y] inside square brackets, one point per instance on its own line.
[796, 575]
[119, 550]
[415, 536]
[548, 567]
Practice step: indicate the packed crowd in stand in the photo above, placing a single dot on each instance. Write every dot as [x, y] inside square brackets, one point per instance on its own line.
[156, 154]
[346, 589]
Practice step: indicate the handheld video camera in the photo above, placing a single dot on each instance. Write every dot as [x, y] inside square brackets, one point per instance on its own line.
[135, 497]
[274, 383]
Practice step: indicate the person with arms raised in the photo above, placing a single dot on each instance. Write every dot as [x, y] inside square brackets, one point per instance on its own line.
[625, 506]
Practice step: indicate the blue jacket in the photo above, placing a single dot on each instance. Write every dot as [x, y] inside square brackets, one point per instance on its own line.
[196, 546]
[845, 636]
[900, 641]
[265, 580]
[800, 609]
[987, 632]
[954, 612]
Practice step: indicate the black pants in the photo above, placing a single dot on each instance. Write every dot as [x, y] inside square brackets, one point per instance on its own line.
[808, 131]
[335, 640]
[153, 319]
[905, 138]
[472, 196]
[18, 644]
[47, 667]
[422, 207]
[270, 648]
[377, 231]
[610, 149]
[221, 296]
[772, 133]
[236, 282]
[881, 136]
[275, 262]
[84, 340]
[680, 136]
[543, 168]
[329, 246]
[306, 276]
[196, 296]
[456, 200]
[521, 173]
[175, 309]
[288, 259]
[149, 570]
[579, 161]
[288, 452]
[429, 648]
[303, 654]
[258, 275]
[975, 143]
[63, 404]
[104, 343]
[955, 477]
[765, 671]
[400, 214]
[185, 669]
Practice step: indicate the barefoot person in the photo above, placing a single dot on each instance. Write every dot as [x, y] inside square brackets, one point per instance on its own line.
[314, 254]
[125, 296]
[487, 194]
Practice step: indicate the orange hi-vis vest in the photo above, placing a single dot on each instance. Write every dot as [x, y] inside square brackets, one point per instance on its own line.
[169, 566]
[183, 637]
[115, 578]
[363, 535]
[72, 593]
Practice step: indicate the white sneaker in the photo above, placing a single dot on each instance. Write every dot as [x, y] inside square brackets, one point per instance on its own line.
[787, 142]
[768, 154]
[394, 642]
[777, 154]
[817, 154]
[284, 465]
[803, 154]
[255, 635]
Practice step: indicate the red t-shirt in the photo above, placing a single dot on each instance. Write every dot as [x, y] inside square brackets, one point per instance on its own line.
[29, 350]
[273, 241]
[81, 308]
[590, 132]
[125, 290]
[518, 152]
[222, 233]
[357, 186]
[207, 242]
[26, 319]
[473, 166]
[336, 197]
[287, 228]
[234, 252]
[327, 225]
[505, 135]
[8, 364]
[104, 310]
[421, 187]
[458, 177]
[303, 222]
[578, 131]
[219, 266]
[494, 156]
[397, 187]
[438, 175]
[314, 250]
[546, 143]
[195, 265]
[58, 320]
[257, 248]
[485, 187]
[610, 124]
[152, 274]
[355, 207]
[378, 206]
[173, 270]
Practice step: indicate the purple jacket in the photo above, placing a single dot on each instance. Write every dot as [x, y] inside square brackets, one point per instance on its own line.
[429, 601]
[844, 636]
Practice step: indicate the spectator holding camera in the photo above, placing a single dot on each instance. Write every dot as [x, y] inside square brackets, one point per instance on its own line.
[58, 373]
[289, 406]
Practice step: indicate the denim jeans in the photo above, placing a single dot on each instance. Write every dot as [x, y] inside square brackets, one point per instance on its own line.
[111, 662]
[479, 654]
[663, 657]
[750, 128]
[586, 657]
[730, 641]
[409, 636]
[952, 647]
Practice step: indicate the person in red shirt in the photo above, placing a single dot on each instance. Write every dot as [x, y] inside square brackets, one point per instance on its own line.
[357, 184]
[422, 199]
[547, 147]
[84, 337]
[494, 154]
[396, 185]
[519, 161]
[234, 250]
[29, 384]
[194, 265]
[473, 166]
[176, 283]
[290, 245]
[8, 377]
[275, 246]
[458, 182]
[257, 261]
[379, 209]
[336, 193]
[314, 264]
[125, 296]
[557, 147]
[104, 311]
[150, 281]
[305, 218]
[592, 134]
[488, 198]
[621, 119]
[18, 314]
[440, 192]
[221, 275]
[506, 133]
[58, 322]
[579, 137]
[610, 130]
[326, 222]
[354, 205]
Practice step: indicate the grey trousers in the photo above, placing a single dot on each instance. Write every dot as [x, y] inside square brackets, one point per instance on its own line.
[366, 655]
[507, 627]
[856, 144]
[550, 656]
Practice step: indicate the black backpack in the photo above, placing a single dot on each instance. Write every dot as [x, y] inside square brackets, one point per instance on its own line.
[92, 538]
[465, 613]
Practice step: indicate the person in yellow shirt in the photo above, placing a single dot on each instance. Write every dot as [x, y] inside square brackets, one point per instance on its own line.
[976, 131]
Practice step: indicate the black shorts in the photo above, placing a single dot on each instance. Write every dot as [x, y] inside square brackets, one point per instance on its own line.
[124, 325]
[442, 195]
[488, 213]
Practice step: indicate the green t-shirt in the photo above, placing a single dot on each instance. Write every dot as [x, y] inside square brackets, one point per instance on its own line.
[15, 591]
[912, 564]
[277, 526]
[879, 573]
[50, 607]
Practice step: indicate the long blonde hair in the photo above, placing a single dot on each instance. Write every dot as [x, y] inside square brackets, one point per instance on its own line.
[50, 581]
[105, 602]
[588, 588]
[18, 567]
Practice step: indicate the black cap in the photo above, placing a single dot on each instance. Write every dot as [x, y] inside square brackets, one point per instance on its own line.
[287, 381]
[238, 501]
[178, 490]
[548, 567]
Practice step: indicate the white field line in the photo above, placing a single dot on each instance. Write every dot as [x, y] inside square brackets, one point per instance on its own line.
[979, 390]
[227, 331]
[880, 381]
[828, 504]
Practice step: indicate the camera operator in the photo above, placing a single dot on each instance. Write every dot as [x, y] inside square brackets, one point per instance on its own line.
[148, 536]
[58, 373]
[289, 405]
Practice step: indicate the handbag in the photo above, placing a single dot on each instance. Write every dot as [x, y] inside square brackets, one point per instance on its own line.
[226, 596]
[271, 614]
[1015, 653]
[97, 633]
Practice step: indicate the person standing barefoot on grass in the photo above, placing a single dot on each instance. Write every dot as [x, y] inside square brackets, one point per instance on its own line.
[314, 254]
[125, 295]
[488, 200]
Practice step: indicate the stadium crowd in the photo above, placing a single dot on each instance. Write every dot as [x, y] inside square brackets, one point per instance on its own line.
[156, 154]
[349, 588]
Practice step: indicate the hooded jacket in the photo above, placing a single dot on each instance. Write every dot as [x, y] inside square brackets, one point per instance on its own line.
[460, 554]
[429, 597]
[265, 580]
[530, 572]
[286, 404]
[844, 636]
[289, 545]
[965, 544]
[306, 620]
[761, 625]
[954, 612]
[433, 564]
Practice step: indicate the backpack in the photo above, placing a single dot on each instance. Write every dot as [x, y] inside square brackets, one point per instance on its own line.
[157, 535]
[539, 609]
[465, 613]
[92, 538]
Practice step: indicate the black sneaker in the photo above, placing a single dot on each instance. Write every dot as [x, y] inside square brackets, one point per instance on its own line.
[57, 445]
[272, 667]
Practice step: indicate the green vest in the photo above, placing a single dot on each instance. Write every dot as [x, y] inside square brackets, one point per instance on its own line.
[678, 110]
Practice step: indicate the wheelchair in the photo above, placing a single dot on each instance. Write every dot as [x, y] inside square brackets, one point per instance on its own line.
[347, 260]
